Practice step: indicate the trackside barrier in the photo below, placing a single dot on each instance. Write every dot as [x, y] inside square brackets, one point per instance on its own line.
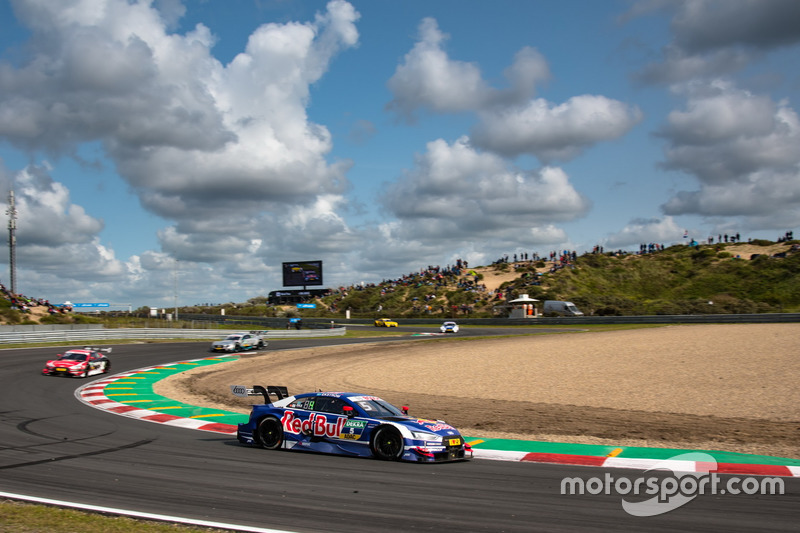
[18, 337]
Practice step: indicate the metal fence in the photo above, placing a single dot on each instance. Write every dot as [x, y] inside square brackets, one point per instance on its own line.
[94, 335]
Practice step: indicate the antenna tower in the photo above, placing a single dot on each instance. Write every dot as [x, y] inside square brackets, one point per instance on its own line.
[12, 241]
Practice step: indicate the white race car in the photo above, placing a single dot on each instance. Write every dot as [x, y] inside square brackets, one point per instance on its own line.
[238, 342]
[449, 327]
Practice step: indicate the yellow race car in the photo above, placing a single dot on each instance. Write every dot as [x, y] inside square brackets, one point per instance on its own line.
[385, 323]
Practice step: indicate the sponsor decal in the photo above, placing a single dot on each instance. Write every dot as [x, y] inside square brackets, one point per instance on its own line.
[353, 429]
[438, 427]
[239, 390]
[317, 425]
[365, 399]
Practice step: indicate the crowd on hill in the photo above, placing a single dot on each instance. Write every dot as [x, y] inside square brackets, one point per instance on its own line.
[461, 277]
[434, 276]
[24, 303]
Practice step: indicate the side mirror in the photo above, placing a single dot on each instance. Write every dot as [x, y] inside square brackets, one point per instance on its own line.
[405, 409]
[349, 411]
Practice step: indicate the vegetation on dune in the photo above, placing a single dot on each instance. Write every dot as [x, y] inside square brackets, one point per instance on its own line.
[677, 280]
[708, 279]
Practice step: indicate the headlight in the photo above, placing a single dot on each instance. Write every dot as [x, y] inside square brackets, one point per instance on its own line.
[50, 364]
[424, 435]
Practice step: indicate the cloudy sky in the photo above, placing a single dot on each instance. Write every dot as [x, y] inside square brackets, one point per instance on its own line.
[168, 151]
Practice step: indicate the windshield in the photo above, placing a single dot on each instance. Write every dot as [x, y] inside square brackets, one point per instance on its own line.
[72, 356]
[376, 407]
[233, 337]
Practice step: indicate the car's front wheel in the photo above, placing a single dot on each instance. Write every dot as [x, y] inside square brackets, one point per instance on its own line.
[270, 433]
[387, 444]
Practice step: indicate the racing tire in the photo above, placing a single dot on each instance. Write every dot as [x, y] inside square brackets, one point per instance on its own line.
[260, 345]
[85, 373]
[387, 444]
[237, 348]
[106, 367]
[269, 433]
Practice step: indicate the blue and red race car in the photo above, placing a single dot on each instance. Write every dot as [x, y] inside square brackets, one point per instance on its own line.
[346, 423]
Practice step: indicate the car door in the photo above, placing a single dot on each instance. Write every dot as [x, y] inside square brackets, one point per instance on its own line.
[330, 417]
[93, 360]
[348, 428]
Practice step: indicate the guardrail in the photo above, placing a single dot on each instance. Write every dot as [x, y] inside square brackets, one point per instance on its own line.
[95, 335]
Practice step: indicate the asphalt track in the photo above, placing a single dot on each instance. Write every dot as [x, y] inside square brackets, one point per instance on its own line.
[53, 446]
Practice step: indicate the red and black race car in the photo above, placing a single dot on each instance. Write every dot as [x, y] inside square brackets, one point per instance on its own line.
[80, 363]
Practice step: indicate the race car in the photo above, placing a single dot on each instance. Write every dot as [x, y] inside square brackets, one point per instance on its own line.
[449, 327]
[80, 363]
[385, 322]
[237, 342]
[346, 423]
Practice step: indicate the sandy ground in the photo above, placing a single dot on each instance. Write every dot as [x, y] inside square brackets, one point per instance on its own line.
[722, 387]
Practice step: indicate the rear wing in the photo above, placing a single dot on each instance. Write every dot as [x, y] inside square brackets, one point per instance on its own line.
[106, 350]
[258, 390]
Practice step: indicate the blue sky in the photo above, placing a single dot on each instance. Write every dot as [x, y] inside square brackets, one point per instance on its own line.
[162, 149]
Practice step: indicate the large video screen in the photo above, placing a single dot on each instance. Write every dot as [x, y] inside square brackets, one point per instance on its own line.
[302, 273]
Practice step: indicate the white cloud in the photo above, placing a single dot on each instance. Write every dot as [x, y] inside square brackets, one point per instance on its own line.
[511, 122]
[645, 231]
[458, 193]
[429, 79]
[555, 132]
[741, 147]
[205, 144]
[46, 216]
[713, 38]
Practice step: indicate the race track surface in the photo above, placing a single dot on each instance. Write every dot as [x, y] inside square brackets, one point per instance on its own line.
[53, 446]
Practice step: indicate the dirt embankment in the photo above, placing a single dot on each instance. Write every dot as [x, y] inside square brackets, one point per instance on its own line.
[724, 387]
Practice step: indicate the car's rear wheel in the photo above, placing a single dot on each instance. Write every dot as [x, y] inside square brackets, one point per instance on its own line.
[270, 433]
[387, 444]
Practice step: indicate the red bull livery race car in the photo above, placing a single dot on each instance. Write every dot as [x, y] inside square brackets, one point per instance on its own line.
[79, 363]
[346, 423]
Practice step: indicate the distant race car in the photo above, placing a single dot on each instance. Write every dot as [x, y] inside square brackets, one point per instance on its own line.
[385, 322]
[449, 327]
[346, 423]
[80, 363]
[238, 342]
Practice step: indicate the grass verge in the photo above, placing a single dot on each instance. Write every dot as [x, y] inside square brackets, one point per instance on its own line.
[19, 517]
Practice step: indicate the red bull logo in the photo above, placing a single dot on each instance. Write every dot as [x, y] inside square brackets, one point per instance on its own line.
[316, 425]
